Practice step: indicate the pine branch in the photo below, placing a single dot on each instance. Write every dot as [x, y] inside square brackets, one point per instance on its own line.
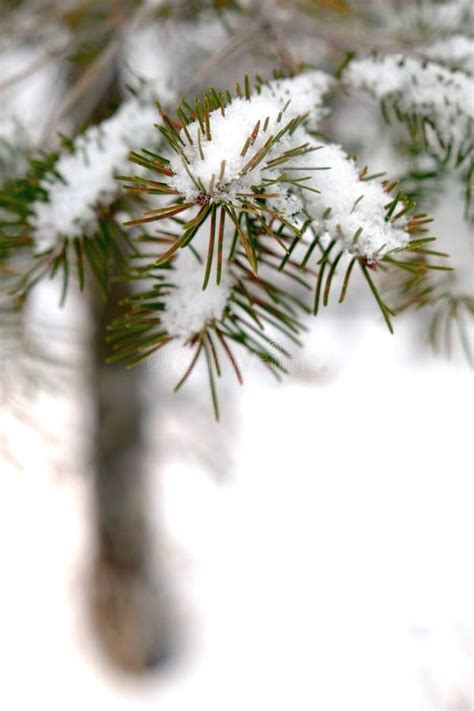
[243, 311]
[433, 102]
[224, 152]
[60, 211]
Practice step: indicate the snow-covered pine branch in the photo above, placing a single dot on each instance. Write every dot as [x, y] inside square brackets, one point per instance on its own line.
[59, 208]
[85, 179]
[239, 186]
[233, 152]
[434, 102]
[241, 313]
[189, 309]
[254, 155]
[224, 157]
[254, 162]
[351, 209]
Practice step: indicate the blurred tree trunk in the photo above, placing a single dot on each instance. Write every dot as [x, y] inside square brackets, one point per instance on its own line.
[126, 596]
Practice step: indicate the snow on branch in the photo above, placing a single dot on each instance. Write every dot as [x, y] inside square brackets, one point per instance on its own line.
[189, 308]
[235, 152]
[85, 179]
[223, 156]
[243, 312]
[253, 156]
[433, 101]
[252, 162]
[351, 209]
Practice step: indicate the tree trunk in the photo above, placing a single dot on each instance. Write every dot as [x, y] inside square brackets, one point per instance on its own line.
[127, 599]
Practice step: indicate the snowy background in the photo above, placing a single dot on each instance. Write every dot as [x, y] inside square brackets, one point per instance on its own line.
[318, 542]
